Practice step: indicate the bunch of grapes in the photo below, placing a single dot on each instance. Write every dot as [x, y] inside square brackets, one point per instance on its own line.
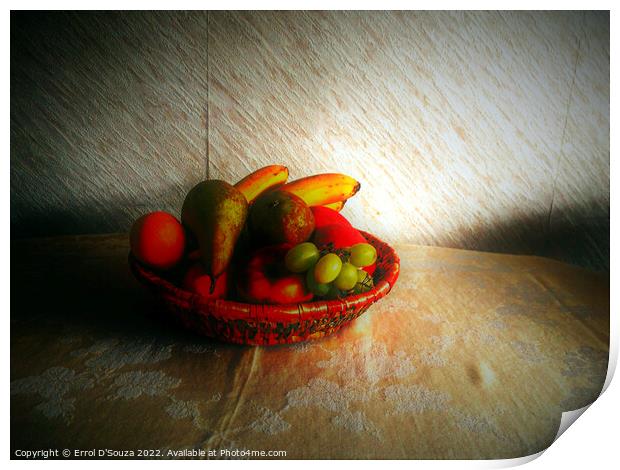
[333, 274]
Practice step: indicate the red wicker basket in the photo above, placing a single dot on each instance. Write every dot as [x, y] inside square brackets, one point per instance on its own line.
[246, 323]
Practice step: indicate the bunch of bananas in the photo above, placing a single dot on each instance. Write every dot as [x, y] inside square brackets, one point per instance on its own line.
[326, 189]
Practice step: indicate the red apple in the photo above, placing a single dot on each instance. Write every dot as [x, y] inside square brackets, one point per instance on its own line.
[198, 281]
[336, 236]
[325, 216]
[265, 279]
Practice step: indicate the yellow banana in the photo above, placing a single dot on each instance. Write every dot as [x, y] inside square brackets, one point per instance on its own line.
[261, 180]
[337, 206]
[326, 188]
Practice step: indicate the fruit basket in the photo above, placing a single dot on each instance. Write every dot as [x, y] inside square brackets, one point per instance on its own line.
[264, 324]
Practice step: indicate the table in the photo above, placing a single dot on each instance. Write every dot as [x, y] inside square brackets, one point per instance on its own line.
[472, 355]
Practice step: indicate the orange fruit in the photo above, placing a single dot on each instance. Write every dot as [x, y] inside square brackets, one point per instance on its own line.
[158, 240]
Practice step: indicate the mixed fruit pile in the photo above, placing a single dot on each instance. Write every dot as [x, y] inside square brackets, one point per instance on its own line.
[262, 240]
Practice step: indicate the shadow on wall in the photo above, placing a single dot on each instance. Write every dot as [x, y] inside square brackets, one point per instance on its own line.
[575, 237]
[106, 117]
[90, 215]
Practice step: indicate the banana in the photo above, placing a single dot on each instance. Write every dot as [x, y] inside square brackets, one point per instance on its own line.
[326, 188]
[337, 206]
[261, 180]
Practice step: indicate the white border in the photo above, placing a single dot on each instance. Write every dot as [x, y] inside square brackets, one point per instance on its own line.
[593, 442]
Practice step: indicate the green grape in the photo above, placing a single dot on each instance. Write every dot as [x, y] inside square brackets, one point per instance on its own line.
[302, 257]
[327, 268]
[364, 282]
[347, 278]
[315, 287]
[333, 292]
[362, 255]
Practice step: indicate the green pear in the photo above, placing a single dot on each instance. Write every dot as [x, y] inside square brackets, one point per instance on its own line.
[215, 212]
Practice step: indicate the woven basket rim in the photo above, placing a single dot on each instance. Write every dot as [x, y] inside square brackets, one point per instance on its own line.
[231, 308]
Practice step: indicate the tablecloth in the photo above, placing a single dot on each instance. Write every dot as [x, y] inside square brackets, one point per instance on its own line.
[472, 355]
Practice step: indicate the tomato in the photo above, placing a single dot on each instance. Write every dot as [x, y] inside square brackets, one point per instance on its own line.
[264, 279]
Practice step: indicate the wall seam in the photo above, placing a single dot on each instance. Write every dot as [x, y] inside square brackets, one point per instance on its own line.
[563, 138]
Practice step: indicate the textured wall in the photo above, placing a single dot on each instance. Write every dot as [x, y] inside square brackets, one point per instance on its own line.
[482, 130]
[477, 130]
